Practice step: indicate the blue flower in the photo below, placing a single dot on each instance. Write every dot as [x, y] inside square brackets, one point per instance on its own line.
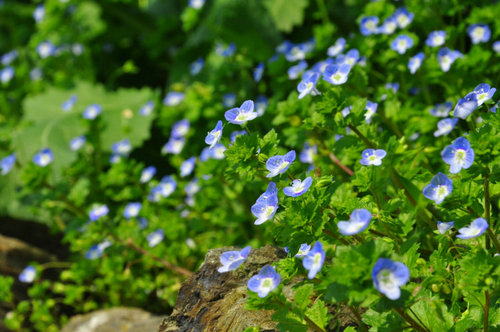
[479, 33]
[436, 38]
[261, 105]
[240, 115]
[403, 17]
[7, 163]
[484, 92]
[77, 143]
[225, 51]
[368, 25]
[147, 108]
[320, 66]
[371, 109]
[215, 135]
[389, 26]
[401, 44]
[45, 49]
[196, 4]
[229, 99]
[358, 222]
[298, 187]
[155, 238]
[445, 126]
[6, 74]
[458, 155]
[446, 57]
[297, 52]
[92, 111]
[164, 189]
[389, 276]
[443, 227]
[350, 58]
[476, 228]
[466, 106]
[39, 13]
[372, 157]
[336, 74]
[279, 164]
[303, 250]
[173, 98]
[336, 48]
[132, 210]
[147, 174]
[97, 250]
[44, 157]
[180, 128]
[440, 187]
[295, 71]
[442, 110]
[115, 158]
[392, 86]
[496, 47]
[258, 72]
[68, 104]
[192, 187]
[266, 205]
[308, 84]
[308, 153]
[174, 145]
[143, 222]
[313, 261]
[8, 57]
[415, 62]
[196, 67]
[264, 282]
[28, 274]
[121, 148]
[187, 166]
[98, 211]
[231, 260]
[237, 133]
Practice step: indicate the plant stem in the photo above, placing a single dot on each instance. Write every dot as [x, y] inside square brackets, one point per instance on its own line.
[342, 166]
[331, 234]
[410, 320]
[486, 309]
[358, 317]
[487, 205]
[363, 138]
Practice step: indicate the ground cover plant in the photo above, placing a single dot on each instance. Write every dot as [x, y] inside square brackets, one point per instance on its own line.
[362, 137]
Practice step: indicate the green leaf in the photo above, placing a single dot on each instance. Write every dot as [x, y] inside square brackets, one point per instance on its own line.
[318, 313]
[286, 13]
[302, 296]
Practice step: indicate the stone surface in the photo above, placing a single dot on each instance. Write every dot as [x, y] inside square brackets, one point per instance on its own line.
[114, 320]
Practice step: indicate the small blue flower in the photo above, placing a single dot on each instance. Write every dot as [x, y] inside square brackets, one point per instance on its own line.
[319, 67]
[187, 166]
[476, 228]
[371, 109]
[358, 222]
[372, 157]
[196, 67]
[115, 158]
[164, 189]
[180, 128]
[261, 105]
[350, 58]
[147, 174]
[336, 48]
[9, 57]
[229, 99]
[303, 250]
[143, 222]
[39, 13]
[258, 72]
[403, 17]
[389, 26]
[237, 133]
[266, 205]
[68, 104]
[279, 164]
[132, 210]
[298, 187]
[231, 260]
[28, 275]
[174, 145]
[97, 250]
[443, 227]
[6, 74]
[496, 47]
[336, 74]
[92, 111]
[308, 84]
[436, 38]
[445, 126]
[392, 86]
[313, 261]
[192, 187]
[173, 98]
[389, 276]
[121, 148]
[415, 62]
[98, 211]
[484, 92]
[466, 106]
[479, 33]
[458, 155]
[297, 52]
[218, 151]
[7, 163]
[368, 25]
[225, 51]
[44, 157]
[294, 72]
[155, 238]
[264, 282]
[240, 115]
[45, 49]
[442, 110]
[196, 4]
[215, 135]
[446, 57]
[77, 143]
[440, 187]
[402, 43]
[147, 108]
[308, 153]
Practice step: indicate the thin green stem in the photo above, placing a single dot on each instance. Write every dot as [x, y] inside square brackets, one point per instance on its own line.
[486, 309]
[363, 138]
[487, 205]
[410, 320]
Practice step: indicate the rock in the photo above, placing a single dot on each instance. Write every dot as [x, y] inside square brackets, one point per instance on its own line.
[213, 301]
[114, 320]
